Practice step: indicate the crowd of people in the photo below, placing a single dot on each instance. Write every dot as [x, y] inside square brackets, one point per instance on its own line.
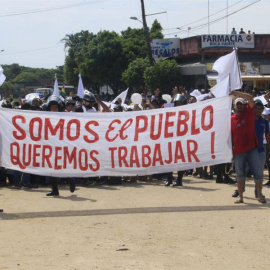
[250, 135]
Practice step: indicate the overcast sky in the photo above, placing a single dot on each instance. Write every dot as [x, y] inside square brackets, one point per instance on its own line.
[32, 38]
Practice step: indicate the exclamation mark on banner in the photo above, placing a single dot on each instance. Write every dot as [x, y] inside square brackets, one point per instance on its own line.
[213, 145]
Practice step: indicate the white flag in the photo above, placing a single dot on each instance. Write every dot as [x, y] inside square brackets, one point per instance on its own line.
[80, 91]
[228, 66]
[221, 89]
[123, 96]
[2, 76]
[56, 89]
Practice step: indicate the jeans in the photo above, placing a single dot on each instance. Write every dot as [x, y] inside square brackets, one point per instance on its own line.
[252, 159]
[262, 156]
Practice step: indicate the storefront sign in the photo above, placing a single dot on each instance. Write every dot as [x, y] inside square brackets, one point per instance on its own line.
[223, 41]
[165, 47]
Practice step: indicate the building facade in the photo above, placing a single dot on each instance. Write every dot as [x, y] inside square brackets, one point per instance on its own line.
[199, 53]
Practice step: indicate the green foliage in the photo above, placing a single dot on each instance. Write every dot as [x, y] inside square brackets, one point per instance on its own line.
[74, 45]
[11, 71]
[108, 58]
[156, 30]
[103, 60]
[18, 77]
[70, 68]
[133, 75]
[26, 77]
[164, 75]
[15, 71]
[134, 45]
[60, 73]
[7, 86]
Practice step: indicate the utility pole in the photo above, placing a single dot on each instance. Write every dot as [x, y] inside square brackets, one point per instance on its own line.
[146, 34]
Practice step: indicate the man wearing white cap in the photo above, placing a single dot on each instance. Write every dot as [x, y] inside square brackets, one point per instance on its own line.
[245, 144]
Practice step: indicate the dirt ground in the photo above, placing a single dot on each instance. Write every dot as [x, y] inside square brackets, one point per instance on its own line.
[135, 226]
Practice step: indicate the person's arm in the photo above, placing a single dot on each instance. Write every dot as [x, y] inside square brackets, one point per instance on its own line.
[267, 134]
[148, 102]
[185, 93]
[267, 137]
[174, 92]
[248, 97]
[102, 104]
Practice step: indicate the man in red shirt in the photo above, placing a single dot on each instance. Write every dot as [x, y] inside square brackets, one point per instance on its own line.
[245, 144]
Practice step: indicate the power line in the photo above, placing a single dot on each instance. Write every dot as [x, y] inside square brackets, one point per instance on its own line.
[216, 20]
[34, 50]
[221, 18]
[212, 14]
[51, 9]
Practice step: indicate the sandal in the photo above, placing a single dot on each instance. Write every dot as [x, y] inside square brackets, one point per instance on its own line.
[262, 200]
[239, 201]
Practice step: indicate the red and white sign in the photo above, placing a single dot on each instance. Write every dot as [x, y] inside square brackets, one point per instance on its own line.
[127, 143]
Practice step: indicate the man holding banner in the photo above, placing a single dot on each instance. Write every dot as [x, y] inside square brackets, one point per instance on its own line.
[245, 144]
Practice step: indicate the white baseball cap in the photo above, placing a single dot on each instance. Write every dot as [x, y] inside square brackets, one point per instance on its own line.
[266, 111]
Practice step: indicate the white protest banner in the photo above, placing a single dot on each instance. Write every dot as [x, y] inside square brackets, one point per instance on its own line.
[127, 143]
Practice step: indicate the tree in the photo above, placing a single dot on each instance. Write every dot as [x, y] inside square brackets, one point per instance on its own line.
[133, 75]
[164, 75]
[26, 77]
[43, 74]
[70, 69]
[74, 44]
[75, 41]
[156, 30]
[11, 71]
[7, 89]
[102, 60]
[133, 42]
[60, 73]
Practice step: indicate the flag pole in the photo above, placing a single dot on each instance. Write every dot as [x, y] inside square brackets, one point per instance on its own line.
[236, 56]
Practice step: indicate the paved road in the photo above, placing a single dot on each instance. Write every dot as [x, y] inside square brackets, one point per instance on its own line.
[134, 226]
